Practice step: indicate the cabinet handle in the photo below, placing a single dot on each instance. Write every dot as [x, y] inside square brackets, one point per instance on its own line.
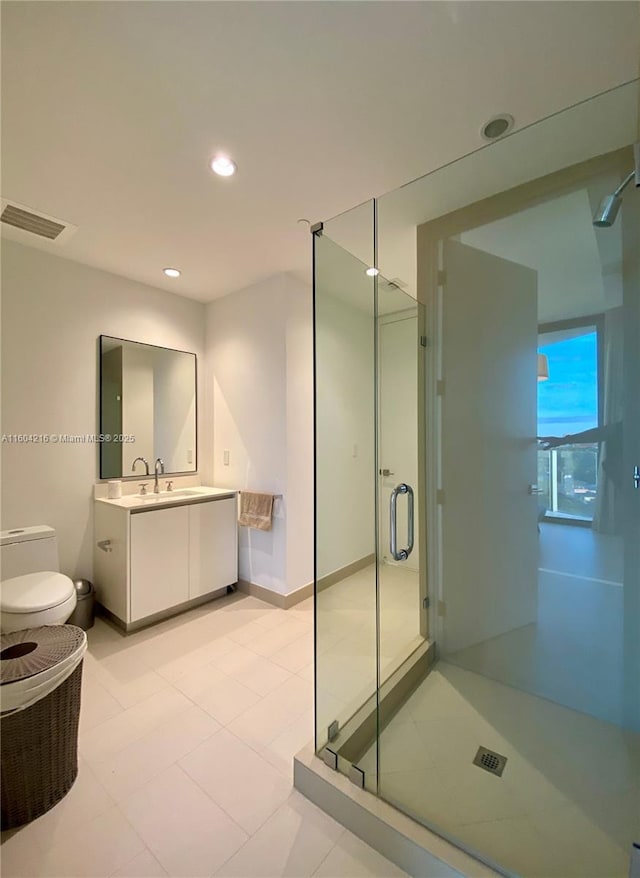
[105, 545]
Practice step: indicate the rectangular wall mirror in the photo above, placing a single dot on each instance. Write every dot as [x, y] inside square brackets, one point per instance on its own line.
[148, 393]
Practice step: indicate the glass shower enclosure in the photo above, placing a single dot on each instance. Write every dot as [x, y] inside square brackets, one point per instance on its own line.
[477, 364]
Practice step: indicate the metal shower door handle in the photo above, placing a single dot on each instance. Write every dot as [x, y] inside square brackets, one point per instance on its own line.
[402, 554]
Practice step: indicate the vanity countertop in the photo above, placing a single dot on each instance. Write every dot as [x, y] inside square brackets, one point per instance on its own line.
[178, 496]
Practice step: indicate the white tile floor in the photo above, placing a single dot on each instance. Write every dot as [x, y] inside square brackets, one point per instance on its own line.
[188, 732]
[346, 632]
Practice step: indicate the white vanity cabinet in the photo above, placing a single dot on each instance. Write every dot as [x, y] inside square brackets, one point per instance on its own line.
[213, 530]
[154, 557]
[159, 561]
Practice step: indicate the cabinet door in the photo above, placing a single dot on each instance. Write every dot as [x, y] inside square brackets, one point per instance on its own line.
[159, 561]
[110, 567]
[213, 538]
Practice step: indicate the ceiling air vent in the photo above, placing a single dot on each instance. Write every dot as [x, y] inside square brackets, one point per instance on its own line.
[26, 220]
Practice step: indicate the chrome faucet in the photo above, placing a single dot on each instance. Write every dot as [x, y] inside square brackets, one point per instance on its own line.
[156, 487]
[146, 465]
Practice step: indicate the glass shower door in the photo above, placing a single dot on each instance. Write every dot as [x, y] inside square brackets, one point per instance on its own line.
[522, 742]
[478, 497]
[370, 619]
[345, 574]
[399, 376]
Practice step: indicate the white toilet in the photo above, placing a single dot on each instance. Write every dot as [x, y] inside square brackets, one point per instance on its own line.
[32, 591]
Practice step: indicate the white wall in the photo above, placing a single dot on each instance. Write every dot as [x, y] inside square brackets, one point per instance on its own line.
[174, 410]
[259, 391]
[346, 433]
[137, 404]
[53, 311]
[299, 403]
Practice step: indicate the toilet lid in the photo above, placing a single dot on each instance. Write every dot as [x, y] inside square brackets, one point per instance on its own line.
[35, 591]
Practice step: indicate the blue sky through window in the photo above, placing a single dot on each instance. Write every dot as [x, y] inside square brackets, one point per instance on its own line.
[568, 401]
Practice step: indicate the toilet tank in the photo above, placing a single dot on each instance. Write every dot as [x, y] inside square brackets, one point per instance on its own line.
[28, 550]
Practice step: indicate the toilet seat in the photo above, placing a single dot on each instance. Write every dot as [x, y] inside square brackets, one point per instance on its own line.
[35, 592]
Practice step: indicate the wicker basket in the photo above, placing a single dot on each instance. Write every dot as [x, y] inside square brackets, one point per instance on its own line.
[39, 747]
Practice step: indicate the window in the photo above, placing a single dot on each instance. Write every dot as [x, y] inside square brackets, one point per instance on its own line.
[569, 405]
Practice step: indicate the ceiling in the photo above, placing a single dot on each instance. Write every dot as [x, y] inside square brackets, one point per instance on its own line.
[558, 240]
[112, 110]
[595, 127]
[579, 267]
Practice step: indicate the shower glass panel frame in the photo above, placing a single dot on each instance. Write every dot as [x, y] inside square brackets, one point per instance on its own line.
[346, 587]
[448, 251]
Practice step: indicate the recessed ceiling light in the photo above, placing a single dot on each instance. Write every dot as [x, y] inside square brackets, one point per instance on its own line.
[497, 126]
[372, 272]
[223, 166]
[171, 272]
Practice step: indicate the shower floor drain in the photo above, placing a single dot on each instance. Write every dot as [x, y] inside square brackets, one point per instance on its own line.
[491, 761]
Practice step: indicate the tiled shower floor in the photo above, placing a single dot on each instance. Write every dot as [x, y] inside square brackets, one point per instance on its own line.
[567, 804]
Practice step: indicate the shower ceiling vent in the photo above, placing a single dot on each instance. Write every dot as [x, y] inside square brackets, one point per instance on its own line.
[491, 761]
[28, 223]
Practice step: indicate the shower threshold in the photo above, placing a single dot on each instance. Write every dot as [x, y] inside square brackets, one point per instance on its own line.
[354, 803]
[411, 846]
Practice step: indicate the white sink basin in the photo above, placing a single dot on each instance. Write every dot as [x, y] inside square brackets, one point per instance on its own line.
[169, 498]
[169, 495]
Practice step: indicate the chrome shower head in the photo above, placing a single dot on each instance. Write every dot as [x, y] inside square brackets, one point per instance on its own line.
[605, 215]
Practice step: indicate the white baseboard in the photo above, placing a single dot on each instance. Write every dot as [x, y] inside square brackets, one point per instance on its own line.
[343, 572]
[284, 601]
